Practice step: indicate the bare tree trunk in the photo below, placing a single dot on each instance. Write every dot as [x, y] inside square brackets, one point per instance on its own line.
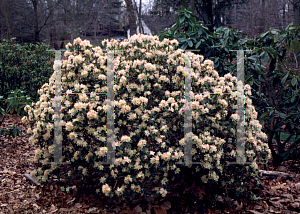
[283, 15]
[184, 3]
[296, 5]
[140, 18]
[262, 18]
[2, 32]
[209, 6]
[138, 15]
[36, 23]
[6, 11]
[193, 6]
[132, 19]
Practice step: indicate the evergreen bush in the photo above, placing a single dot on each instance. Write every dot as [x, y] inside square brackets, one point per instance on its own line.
[149, 121]
[26, 67]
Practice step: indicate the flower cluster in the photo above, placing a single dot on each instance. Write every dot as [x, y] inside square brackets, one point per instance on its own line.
[149, 107]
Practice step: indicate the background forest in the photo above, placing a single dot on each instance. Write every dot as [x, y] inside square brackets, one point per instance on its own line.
[58, 22]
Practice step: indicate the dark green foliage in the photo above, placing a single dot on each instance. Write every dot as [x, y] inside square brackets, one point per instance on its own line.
[280, 50]
[11, 131]
[16, 102]
[215, 46]
[25, 67]
[2, 110]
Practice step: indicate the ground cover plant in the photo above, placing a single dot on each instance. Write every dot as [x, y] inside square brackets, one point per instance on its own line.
[149, 111]
[14, 104]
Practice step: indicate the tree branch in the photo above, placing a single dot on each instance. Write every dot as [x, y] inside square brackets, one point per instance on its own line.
[275, 173]
[50, 13]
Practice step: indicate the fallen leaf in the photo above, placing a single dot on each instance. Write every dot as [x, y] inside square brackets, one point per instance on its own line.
[8, 171]
[66, 209]
[166, 204]
[265, 205]
[77, 205]
[254, 212]
[93, 210]
[52, 208]
[160, 210]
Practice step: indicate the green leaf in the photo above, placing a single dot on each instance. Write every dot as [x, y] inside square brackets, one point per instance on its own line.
[289, 45]
[293, 98]
[284, 78]
[284, 155]
[274, 31]
[263, 115]
[282, 115]
[294, 27]
[271, 117]
[2, 111]
[296, 46]
[190, 43]
[198, 44]
[253, 58]
[183, 47]
[181, 20]
[263, 35]
[276, 38]
[273, 53]
[282, 36]
[294, 81]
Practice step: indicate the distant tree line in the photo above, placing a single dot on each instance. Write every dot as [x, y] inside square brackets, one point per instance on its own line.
[59, 21]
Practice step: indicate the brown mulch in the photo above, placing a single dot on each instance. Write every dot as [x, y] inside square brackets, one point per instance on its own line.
[18, 195]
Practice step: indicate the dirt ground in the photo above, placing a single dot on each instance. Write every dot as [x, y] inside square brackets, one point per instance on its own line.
[18, 195]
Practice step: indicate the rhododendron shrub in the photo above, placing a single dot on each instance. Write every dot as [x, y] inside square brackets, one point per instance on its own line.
[149, 112]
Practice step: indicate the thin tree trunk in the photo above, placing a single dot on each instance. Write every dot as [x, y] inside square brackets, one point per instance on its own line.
[138, 12]
[210, 17]
[296, 6]
[283, 15]
[2, 27]
[262, 18]
[193, 6]
[36, 23]
[6, 10]
[140, 18]
[184, 3]
[131, 16]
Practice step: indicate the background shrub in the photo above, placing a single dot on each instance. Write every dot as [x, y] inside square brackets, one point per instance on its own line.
[25, 67]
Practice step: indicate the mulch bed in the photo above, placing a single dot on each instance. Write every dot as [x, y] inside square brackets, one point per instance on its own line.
[18, 195]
